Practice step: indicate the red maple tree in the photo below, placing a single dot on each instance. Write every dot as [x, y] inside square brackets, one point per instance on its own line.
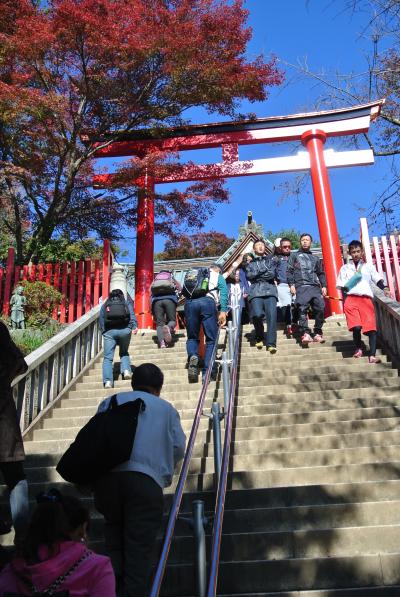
[110, 66]
[201, 244]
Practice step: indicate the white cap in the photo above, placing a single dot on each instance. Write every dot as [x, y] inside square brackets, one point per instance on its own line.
[277, 242]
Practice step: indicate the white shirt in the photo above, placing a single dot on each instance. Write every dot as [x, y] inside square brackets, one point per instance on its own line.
[235, 294]
[368, 275]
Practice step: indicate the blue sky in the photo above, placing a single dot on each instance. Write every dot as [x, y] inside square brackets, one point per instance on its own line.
[331, 39]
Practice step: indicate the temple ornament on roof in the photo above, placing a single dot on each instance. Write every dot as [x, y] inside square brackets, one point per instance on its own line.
[251, 225]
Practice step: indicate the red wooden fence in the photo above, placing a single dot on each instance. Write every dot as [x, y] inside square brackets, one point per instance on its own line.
[81, 283]
[384, 253]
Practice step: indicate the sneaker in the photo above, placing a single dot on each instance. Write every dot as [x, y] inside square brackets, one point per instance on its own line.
[259, 344]
[167, 334]
[318, 338]
[306, 338]
[193, 369]
[127, 374]
[163, 344]
[108, 385]
[358, 354]
[374, 360]
[271, 349]
[289, 330]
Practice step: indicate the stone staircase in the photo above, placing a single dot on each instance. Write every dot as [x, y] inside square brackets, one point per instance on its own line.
[313, 507]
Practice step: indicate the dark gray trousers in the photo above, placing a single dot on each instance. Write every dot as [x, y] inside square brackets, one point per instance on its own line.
[310, 296]
[164, 311]
[132, 505]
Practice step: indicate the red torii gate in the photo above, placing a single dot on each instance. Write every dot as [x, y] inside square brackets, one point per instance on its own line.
[312, 129]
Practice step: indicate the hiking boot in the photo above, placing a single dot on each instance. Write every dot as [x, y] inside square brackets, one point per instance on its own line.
[318, 338]
[108, 385]
[127, 374]
[374, 360]
[305, 339]
[358, 354]
[167, 334]
[259, 344]
[272, 349]
[193, 369]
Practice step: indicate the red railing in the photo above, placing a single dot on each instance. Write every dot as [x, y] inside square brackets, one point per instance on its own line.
[81, 283]
[384, 253]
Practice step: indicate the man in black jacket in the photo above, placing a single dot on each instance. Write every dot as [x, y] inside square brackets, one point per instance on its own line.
[306, 278]
[263, 295]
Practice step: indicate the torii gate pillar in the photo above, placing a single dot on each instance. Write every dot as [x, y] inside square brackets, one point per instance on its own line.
[314, 140]
[144, 266]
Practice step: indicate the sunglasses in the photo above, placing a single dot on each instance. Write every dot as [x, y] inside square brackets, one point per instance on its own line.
[286, 246]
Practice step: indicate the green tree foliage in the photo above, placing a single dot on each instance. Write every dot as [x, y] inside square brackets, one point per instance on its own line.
[40, 302]
[290, 233]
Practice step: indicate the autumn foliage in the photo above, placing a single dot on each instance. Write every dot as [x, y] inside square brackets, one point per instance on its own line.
[109, 66]
[202, 244]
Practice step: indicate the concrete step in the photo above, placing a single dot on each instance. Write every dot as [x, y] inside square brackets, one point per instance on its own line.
[290, 375]
[393, 591]
[183, 391]
[356, 382]
[283, 477]
[272, 462]
[333, 365]
[254, 420]
[71, 432]
[297, 574]
[316, 543]
[58, 444]
[258, 408]
[259, 405]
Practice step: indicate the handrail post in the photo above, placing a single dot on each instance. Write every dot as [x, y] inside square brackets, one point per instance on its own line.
[235, 309]
[225, 380]
[173, 514]
[216, 425]
[231, 340]
[200, 547]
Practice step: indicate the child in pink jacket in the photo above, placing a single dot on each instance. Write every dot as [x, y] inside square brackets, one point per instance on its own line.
[55, 556]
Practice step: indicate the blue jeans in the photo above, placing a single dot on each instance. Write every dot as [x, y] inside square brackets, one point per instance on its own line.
[264, 306]
[201, 312]
[111, 339]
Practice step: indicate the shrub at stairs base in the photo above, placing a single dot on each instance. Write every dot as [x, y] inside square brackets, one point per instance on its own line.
[41, 300]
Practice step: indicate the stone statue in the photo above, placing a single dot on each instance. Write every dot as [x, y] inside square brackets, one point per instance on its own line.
[17, 303]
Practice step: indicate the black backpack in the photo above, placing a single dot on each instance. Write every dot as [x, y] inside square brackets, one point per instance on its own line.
[116, 314]
[163, 284]
[104, 442]
[196, 282]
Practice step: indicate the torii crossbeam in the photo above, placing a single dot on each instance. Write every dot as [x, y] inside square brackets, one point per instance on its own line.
[311, 129]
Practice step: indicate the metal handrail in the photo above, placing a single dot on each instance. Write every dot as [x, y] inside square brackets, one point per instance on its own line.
[174, 511]
[221, 491]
